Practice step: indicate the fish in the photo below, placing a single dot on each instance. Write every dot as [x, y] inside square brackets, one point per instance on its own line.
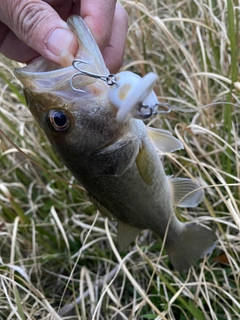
[118, 163]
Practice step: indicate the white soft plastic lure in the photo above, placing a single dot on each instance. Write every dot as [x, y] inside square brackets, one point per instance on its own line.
[134, 96]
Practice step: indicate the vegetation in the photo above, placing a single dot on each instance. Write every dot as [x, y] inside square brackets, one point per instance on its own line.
[58, 256]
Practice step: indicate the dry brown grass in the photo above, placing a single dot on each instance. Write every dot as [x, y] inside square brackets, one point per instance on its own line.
[58, 256]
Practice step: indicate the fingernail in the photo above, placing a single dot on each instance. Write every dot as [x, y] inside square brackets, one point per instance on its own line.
[59, 40]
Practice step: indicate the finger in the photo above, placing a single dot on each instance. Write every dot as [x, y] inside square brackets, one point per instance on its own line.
[39, 25]
[99, 17]
[114, 52]
[64, 8]
[13, 48]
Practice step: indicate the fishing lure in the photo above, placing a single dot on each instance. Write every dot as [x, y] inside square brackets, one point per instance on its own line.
[131, 94]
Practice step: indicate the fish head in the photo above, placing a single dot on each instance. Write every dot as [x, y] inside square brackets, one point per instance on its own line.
[76, 122]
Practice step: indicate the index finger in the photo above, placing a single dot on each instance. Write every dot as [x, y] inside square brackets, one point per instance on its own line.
[99, 17]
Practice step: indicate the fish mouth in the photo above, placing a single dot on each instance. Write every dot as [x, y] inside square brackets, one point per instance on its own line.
[44, 75]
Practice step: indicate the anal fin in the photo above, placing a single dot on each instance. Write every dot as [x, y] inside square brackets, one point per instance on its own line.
[186, 193]
[105, 212]
[126, 235]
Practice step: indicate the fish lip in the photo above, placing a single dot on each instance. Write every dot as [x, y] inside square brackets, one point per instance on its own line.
[32, 70]
[42, 75]
[53, 81]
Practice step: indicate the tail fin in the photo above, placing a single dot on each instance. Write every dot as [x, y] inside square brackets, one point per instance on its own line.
[194, 242]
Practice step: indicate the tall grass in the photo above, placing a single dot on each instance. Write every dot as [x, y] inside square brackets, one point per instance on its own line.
[58, 255]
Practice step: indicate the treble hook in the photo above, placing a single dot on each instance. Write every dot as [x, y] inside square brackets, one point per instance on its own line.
[152, 110]
[109, 79]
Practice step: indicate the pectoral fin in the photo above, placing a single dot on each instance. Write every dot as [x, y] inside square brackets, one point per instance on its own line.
[164, 140]
[126, 235]
[145, 166]
[115, 159]
[186, 193]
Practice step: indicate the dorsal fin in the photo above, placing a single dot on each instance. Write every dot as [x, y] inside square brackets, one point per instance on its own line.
[164, 140]
[186, 193]
[126, 235]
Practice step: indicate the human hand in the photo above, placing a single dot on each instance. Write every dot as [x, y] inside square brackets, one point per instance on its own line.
[29, 28]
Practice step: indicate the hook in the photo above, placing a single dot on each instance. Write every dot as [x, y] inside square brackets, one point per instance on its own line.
[152, 110]
[109, 79]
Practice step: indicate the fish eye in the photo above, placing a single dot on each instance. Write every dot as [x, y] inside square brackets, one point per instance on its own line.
[59, 120]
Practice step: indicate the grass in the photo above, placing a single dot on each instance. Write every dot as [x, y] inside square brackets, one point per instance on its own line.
[58, 255]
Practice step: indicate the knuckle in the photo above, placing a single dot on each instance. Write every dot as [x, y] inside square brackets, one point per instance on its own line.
[28, 20]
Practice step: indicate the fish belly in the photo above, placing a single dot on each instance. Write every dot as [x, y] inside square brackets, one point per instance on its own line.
[133, 199]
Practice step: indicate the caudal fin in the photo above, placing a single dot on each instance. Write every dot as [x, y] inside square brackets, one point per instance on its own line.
[194, 242]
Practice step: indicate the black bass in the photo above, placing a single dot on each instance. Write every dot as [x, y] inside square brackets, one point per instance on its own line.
[117, 163]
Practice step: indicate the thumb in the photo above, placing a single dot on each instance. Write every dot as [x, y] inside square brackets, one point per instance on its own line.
[39, 26]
